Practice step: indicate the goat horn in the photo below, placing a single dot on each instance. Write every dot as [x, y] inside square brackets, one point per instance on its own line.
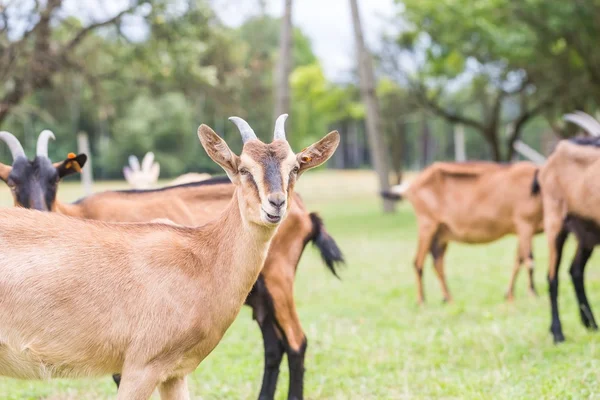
[592, 121]
[588, 123]
[134, 163]
[147, 162]
[13, 144]
[280, 127]
[245, 129]
[42, 143]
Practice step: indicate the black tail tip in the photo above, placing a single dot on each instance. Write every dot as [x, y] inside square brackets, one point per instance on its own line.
[330, 252]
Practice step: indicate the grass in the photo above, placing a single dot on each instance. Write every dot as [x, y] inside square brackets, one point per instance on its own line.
[367, 337]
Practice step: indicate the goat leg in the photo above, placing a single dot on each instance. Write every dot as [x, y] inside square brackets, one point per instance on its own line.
[137, 384]
[577, 275]
[556, 248]
[174, 389]
[296, 366]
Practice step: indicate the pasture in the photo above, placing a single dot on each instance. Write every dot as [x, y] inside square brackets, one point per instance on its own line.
[367, 339]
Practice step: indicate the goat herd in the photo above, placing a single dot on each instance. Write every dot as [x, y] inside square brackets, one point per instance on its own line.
[479, 202]
[143, 284]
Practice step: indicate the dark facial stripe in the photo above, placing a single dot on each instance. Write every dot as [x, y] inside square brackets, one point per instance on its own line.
[254, 185]
[273, 178]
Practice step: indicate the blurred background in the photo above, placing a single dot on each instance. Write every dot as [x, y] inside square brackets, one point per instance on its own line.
[140, 76]
[406, 83]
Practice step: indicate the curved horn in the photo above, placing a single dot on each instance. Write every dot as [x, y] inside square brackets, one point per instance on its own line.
[134, 163]
[147, 161]
[13, 144]
[42, 143]
[245, 130]
[585, 121]
[280, 127]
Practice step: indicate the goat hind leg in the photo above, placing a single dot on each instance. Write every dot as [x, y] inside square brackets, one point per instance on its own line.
[577, 274]
[438, 251]
[274, 349]
[280, 289]
[513, 277]
[426, 235]
[556, 242]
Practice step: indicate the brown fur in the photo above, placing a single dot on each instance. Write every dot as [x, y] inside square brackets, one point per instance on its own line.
[148, 300]
[476, 202]
[195, 205]
[568, 181]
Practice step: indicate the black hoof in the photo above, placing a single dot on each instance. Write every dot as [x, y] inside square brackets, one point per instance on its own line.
[591, 325]
[558, 338]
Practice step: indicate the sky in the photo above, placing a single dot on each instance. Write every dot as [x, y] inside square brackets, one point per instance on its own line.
[327, 23]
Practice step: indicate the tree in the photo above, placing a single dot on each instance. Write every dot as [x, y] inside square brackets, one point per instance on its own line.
[367, 85]
[284, 65]
[36, 47]
[478, 46]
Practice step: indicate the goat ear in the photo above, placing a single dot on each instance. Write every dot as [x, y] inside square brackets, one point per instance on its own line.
[316, 154]
[5, 171]
[217, 149]
[73, 163]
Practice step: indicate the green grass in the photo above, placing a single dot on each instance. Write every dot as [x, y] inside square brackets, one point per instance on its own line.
[367, 337]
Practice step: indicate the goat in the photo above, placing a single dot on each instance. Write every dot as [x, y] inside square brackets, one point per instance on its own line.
[472, 202]
[272, 295]
[33, 184]
[146, 175]
[566, 183]
[148, 300]
[189, 178]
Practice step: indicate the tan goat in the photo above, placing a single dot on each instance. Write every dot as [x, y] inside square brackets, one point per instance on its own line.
[85, 298]
[472, 202]
[568, 183]
[193, 204]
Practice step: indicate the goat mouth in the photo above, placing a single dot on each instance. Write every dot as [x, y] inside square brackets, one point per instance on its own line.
[272, 218]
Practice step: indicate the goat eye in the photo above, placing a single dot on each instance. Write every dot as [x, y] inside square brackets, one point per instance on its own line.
[295, 170]
[244, 171]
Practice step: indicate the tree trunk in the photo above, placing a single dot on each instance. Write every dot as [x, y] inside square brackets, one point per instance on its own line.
[367, 90]
[492, 138]
[425, 141]
[284, 65]
[397, 149]
[460, 150]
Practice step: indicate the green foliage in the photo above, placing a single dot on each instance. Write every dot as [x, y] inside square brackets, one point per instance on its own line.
[151, 94]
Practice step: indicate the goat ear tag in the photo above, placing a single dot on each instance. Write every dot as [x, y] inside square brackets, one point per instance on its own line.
[306, 159]
[73, 164]
[76, 166]
[71, 156]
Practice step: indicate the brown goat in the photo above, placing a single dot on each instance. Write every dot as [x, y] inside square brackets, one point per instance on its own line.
[84, 298]
[271, 297]
[568, 183]
[472, 202]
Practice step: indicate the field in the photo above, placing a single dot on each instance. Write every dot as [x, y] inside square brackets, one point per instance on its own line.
[367, 337]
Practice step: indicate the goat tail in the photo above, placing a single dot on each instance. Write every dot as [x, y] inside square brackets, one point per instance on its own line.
[396, 192]
[535, 185]
[330, 252]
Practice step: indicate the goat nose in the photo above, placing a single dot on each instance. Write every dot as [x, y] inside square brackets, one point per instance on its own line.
[277, 200]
